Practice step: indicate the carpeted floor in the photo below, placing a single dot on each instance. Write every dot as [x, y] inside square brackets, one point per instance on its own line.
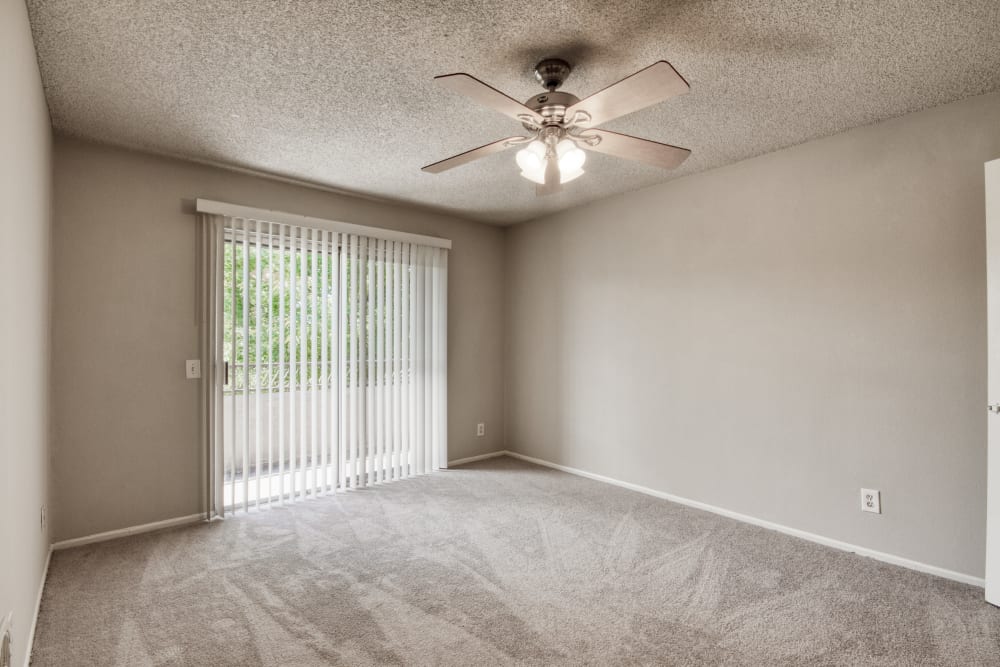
[498, 562]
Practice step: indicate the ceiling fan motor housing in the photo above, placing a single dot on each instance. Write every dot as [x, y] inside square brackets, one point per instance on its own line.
[551, 106]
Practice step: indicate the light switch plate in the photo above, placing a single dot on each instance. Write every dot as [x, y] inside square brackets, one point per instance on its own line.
[193, 369]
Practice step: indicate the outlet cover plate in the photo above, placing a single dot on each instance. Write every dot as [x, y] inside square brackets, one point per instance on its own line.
[6, 631]
[871, 501]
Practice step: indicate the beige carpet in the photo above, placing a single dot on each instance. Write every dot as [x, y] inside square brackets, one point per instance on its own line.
[498, 562]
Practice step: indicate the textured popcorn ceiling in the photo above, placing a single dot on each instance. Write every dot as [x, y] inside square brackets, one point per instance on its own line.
[340, 93]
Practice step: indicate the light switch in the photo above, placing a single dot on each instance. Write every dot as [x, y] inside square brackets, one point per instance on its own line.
[193, 368]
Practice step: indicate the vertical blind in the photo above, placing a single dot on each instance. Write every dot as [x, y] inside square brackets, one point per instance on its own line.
[326, 360]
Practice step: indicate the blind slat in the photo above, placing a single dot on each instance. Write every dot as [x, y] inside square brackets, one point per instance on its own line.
[283, 398]
[324, 364]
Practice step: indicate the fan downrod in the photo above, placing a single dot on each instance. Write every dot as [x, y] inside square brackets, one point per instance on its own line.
[552, 72]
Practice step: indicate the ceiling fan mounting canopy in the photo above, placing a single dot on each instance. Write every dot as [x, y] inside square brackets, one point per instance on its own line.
[560, 124]
[552, 72]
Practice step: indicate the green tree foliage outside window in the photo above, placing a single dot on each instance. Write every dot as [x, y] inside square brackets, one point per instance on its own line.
[272, 370]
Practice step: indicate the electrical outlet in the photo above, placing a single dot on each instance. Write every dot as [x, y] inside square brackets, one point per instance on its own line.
[480, 430]
[871, 501]
[193, 368]
[6, 630]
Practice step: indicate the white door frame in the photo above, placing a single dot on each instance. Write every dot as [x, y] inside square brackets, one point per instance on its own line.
[992, 175]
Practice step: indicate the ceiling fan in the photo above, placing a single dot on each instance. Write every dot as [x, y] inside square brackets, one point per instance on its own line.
[561, 124]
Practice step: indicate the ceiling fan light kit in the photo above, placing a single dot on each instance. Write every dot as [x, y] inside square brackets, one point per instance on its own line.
[532, 161]
[561, 126]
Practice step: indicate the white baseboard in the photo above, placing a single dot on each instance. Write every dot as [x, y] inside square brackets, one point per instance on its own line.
[471, 459]
[812, 537]
[131, 530]
[38, 608]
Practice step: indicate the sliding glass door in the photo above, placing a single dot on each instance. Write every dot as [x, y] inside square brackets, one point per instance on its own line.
[331, 361]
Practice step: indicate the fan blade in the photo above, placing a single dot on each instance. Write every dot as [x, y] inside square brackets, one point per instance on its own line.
[552, 178]
[634, 148]
[486, 95]
[658, 82]
[469, 156]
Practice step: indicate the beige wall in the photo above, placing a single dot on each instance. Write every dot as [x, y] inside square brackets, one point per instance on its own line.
[25, 191]
[772, 336]
[125, 433]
